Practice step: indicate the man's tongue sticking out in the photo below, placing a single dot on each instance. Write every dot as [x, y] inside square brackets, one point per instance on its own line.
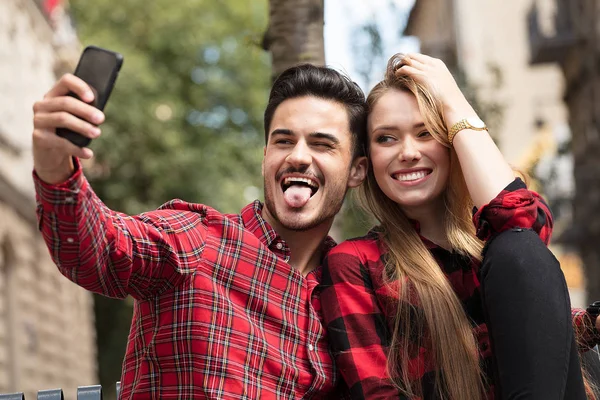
[296, 196]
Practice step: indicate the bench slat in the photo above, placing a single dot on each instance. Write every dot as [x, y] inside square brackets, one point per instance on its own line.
[93, 392]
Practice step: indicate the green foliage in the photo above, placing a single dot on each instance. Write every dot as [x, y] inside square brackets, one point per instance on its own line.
[184, 120]
[356, 221]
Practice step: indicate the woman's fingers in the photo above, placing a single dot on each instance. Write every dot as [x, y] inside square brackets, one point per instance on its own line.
[422, 58]
[435, 76]
[413, 62]
[408, 70]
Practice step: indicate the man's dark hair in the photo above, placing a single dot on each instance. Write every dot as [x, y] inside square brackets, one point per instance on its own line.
[324, 83]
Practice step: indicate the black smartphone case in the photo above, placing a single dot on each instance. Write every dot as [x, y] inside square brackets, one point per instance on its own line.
[90, 71]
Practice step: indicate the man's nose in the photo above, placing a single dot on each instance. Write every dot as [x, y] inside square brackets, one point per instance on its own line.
[300, 155]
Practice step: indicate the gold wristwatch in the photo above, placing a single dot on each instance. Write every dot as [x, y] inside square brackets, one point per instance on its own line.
[473, 123]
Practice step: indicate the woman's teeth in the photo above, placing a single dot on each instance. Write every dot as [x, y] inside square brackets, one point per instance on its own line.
[413, 176]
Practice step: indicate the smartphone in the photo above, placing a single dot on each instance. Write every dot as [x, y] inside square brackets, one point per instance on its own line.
[99, 68]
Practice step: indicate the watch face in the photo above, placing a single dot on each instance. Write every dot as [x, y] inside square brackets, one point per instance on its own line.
[476, 123]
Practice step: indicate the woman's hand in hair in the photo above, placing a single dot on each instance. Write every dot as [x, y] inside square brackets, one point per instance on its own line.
[435, 76]
[485, 170]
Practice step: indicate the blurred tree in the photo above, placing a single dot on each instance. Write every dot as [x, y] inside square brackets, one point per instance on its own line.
[295, 33]
[367, 41]
[184, 121]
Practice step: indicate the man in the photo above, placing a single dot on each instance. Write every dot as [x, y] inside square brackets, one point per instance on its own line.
[225, 305]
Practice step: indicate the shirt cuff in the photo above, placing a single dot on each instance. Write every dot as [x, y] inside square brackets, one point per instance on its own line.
[585, 329]
[61, 198]
[595, 335]
[494, 217]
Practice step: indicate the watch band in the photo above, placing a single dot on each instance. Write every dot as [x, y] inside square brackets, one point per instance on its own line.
[459, 126]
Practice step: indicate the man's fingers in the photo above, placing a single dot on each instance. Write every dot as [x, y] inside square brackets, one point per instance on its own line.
[76, 151]
[62, 119]
[69, 83]
[48, 140]
[72, 106]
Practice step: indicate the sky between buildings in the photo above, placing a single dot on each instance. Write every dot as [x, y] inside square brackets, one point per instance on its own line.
[344, 17]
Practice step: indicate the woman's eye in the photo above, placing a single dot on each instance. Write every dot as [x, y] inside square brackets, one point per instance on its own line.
[384, 139]
[424, 134]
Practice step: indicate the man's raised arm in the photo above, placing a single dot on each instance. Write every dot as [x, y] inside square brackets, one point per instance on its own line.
[99, 249]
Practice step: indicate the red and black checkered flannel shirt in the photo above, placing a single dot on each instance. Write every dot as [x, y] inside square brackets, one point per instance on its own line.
[219, 313]
[357, 303]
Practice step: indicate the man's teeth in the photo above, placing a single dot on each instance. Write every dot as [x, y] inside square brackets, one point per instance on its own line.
[411, 177]
[291, 181]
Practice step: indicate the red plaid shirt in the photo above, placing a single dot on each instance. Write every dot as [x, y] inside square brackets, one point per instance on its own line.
[218, 313]
[357, 303]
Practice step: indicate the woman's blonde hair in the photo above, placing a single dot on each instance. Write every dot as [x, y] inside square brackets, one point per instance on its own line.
[429, 310]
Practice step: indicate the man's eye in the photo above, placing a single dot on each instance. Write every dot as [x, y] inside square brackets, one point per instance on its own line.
[283, 141]
[324, 145]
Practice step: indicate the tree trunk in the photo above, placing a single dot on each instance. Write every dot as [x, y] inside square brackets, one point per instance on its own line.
[295, 33]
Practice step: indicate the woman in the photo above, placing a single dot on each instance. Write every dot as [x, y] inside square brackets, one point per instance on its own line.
[428, 306]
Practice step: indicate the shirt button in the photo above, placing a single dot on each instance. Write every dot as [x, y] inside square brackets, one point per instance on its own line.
[279, 246]
[70, 240]
[69, 199]
[311, 347]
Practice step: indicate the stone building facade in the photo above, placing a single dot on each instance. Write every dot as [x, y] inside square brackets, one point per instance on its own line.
[488, 42]
[47, 334]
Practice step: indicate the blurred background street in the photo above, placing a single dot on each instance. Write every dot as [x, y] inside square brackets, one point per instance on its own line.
[185, 121]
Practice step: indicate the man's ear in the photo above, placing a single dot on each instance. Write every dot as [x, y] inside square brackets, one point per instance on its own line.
[358, 172]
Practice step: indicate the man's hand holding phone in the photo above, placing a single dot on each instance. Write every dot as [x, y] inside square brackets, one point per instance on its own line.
[52, 154]
[67, 119]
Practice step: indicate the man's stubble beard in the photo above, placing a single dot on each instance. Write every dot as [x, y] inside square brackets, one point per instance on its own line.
[330, 209]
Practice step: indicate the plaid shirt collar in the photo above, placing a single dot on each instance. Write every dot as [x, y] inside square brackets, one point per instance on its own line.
[255, 223]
